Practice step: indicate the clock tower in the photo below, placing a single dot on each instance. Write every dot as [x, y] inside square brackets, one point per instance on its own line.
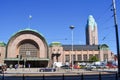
[91, 31]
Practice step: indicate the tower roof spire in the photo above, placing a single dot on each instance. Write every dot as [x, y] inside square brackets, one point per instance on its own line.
[91, 22]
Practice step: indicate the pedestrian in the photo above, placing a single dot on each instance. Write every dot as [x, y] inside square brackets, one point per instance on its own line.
[28, 65]
[16, 66]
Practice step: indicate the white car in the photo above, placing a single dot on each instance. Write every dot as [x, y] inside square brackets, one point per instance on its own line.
[90, 67]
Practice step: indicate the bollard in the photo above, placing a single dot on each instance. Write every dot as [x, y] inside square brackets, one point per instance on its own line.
[23, 77]
[99, 76]
[63, 77]
[43, 77]
[116, 76]
[3, 76]
[82, 77]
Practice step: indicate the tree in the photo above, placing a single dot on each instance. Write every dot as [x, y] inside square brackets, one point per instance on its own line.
[94, 59]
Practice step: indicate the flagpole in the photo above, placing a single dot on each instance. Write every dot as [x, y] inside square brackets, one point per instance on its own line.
[30, 17]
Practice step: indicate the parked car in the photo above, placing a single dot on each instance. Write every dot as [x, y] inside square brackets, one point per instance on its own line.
[90, 67]
[47, 69]
[65, 67]
[77, 67]
[101, 66]
[111, 66]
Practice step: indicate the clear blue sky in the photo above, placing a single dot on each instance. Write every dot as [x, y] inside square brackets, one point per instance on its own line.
[52, 19]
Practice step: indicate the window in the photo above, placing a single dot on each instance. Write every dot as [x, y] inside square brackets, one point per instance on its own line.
[85, 57]
[97, 55]
[67, 58]
[53, 49]
[90, 56]
[58, 49]
[79, 57]
[105, 56]
[74, 58]
[28, 50]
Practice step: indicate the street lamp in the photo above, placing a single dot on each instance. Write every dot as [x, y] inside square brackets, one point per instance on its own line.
[24, 63]
[72, 27]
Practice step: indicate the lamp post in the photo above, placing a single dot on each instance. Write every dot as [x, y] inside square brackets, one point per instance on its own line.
[72, 27]
[18, 60]
[24, 63]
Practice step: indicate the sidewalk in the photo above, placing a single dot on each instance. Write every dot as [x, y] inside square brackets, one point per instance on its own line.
[58, 70]
[23, 70]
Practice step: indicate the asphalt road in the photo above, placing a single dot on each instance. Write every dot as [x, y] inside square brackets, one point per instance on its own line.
[60, 74]
[63, 77]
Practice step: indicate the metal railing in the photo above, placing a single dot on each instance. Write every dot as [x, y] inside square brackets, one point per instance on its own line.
[59, 76]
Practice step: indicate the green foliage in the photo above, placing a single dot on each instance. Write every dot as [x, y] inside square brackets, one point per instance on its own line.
[94, 59]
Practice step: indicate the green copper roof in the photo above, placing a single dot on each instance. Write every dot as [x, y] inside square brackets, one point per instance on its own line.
[55, 44]
[104, 47]
[91, 22]
[2, 44]
[27, 29]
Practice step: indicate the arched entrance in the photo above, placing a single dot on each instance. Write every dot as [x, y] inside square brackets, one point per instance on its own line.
[27, 47]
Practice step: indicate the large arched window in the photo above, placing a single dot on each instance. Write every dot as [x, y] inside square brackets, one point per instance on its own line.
[28, 48]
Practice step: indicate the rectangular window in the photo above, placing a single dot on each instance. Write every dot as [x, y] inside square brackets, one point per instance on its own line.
[97, 55]
[105, 57]
[74, 58]
[90, 56]
[85, 57]
[79, 57]
[67, 58]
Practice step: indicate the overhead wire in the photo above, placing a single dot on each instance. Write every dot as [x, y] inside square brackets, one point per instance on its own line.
[105, 12]
[105, 21]
[108, 33]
